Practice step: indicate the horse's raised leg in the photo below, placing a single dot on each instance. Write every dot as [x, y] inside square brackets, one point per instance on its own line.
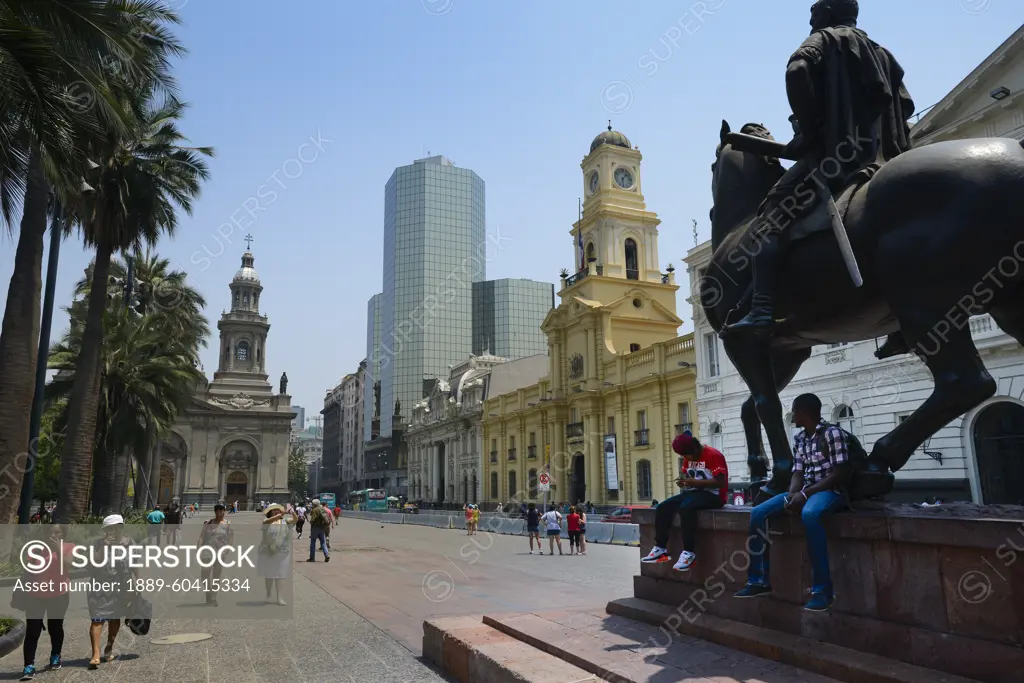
[961, 383]
[753, 359]
[784, 368]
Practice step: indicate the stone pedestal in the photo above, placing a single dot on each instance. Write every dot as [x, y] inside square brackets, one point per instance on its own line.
[942, 592]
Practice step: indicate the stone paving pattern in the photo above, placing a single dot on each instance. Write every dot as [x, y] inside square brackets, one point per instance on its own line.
[360, 617]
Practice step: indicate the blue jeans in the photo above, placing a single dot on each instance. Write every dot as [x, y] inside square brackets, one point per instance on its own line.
[315, 533]
[818, 505]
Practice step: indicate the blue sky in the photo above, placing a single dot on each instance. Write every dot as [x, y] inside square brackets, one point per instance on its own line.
[515, 91]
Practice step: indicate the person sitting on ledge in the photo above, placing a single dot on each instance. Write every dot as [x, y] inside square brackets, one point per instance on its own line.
[704, 480]
[820, 466]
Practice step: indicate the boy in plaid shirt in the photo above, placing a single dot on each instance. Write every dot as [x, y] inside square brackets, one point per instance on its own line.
[820, 467]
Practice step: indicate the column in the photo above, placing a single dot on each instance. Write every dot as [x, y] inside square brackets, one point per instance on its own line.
[263, 353]
[154, 472]
[231, 352]
[591, 355]
[559, 461]
[595, 454]
[435, 460]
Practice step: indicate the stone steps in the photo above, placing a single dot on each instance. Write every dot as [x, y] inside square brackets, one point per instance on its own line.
[837, 662]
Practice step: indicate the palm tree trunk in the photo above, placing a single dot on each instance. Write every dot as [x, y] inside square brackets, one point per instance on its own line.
[119, 489]
[83, 406]
[19, 339]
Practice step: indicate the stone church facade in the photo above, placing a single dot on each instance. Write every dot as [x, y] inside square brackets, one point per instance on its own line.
[231, 443]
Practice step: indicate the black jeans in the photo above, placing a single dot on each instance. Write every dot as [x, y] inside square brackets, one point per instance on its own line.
[687, 504]
[54, 610]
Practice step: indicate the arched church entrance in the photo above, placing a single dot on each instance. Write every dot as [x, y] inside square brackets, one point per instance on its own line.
[237, 489]
[579, 479]
[999, 451]
[165, 492]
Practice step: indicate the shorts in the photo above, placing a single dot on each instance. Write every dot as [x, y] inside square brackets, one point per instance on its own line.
[574, 538]
[534, 529]
[554, 532]
[583, 530]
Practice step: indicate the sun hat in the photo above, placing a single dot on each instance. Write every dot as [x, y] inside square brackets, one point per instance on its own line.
[112, 520]
[316, 501]
[274, 508]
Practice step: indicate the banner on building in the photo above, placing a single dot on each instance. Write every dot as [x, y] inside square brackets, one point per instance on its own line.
[611, 464]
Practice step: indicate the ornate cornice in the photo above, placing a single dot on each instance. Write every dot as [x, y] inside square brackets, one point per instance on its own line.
[241, 401]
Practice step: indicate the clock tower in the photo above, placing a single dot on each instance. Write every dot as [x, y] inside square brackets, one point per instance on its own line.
[616, 300]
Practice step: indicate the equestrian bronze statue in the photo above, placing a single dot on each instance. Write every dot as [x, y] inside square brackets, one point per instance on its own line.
[936, 233]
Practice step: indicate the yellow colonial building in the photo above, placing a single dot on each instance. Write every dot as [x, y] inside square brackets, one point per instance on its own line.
[620, 381]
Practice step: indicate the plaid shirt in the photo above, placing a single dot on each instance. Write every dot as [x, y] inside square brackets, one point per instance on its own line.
[807, 455]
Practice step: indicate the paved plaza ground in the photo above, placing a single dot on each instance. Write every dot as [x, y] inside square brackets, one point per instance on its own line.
[359, 618]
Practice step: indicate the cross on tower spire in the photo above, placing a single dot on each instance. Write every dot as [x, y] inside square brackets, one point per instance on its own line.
[248, 241]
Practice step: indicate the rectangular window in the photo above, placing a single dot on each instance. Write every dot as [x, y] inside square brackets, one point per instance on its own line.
[902, 417]
[711, 349]
[511, 442]
[611, 424]
[684, 413]
[533, 438]
[494, 444]
[641, 419]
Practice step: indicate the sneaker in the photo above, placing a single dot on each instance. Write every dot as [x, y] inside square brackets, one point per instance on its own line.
[55, 663]
[686, 560]
[819, 602]
[327, 558]
[753, 590]
[29, 673]
[531, 552]
[657, 554]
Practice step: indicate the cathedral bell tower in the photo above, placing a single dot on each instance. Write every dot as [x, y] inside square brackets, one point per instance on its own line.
[243, 336]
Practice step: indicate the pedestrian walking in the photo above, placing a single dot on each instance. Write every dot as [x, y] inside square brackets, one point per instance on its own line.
[533, 527]
[217, 533]
[319, 522]
[553, 523]
[49, 601]
[172, 525]
[573, 524]
[108, 595]
[583, 531]
[155, 519]
[300, 513]
[274, 561]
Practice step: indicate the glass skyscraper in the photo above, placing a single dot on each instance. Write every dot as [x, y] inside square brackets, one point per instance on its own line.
[507, 315]
[373, 355]
[434, 250]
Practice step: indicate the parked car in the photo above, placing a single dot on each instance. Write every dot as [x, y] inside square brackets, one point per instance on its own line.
[623, 514]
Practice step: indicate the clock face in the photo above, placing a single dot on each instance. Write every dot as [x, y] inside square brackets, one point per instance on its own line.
[593, 181]
[623, 178]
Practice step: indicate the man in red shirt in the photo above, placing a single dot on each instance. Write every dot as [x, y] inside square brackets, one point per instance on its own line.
[704, 481]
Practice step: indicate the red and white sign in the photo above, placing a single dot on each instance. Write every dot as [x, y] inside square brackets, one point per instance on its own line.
[543, 481]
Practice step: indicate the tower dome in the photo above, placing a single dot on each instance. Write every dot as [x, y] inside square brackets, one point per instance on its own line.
[610, 137]
[247, 273]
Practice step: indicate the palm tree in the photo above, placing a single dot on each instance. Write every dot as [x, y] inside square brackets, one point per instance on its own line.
[54, 59]
[149, 370]
[145, 177]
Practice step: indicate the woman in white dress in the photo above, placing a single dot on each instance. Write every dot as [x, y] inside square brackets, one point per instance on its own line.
[274, 562]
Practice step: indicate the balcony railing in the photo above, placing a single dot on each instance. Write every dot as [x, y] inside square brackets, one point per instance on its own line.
[574, 430]
[531, 452]
[511, 454]
[632, 274]
[640, 437]
[578, 277]
[494, 456]
[684, 427]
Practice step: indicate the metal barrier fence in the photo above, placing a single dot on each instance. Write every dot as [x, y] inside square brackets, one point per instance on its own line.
[597, 532]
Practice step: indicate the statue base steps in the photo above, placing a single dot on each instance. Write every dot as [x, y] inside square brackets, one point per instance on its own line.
[934, 589]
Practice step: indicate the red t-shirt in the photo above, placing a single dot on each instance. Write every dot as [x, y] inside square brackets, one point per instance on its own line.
[708, 465]
[574, 522]
[53, 573]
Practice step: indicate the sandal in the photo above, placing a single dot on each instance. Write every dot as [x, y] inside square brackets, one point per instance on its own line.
[108, 654]
[94, 664]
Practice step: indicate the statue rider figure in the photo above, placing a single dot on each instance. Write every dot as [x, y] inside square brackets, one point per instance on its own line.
[850, 107]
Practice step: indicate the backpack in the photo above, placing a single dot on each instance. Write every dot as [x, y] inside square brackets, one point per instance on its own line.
[857, 456]
[317, 517]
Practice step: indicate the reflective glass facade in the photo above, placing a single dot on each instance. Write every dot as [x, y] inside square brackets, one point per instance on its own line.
[372, 373]
[507, 315]
[434, 250]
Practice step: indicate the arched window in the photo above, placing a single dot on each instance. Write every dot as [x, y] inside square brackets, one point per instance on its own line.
[716, 436]
[843, 416]
[643, 479]
[495, 494]
[242, 351]
[246, 300]
[591, 253]
[227, 352]
[632, 261]
[238, 298]
[257, 354]
[513, 491]
[533, 483]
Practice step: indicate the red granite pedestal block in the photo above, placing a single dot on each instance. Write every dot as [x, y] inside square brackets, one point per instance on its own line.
[945, 593]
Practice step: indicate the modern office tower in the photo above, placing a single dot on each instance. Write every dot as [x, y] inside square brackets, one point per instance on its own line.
[434, 250]
[507, 315]
[371, 373]
[299, 421]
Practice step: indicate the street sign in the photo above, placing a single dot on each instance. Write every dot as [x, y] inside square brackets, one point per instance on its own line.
[543, 482]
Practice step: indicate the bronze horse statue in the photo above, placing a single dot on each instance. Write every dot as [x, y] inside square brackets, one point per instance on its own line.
[938, 233]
